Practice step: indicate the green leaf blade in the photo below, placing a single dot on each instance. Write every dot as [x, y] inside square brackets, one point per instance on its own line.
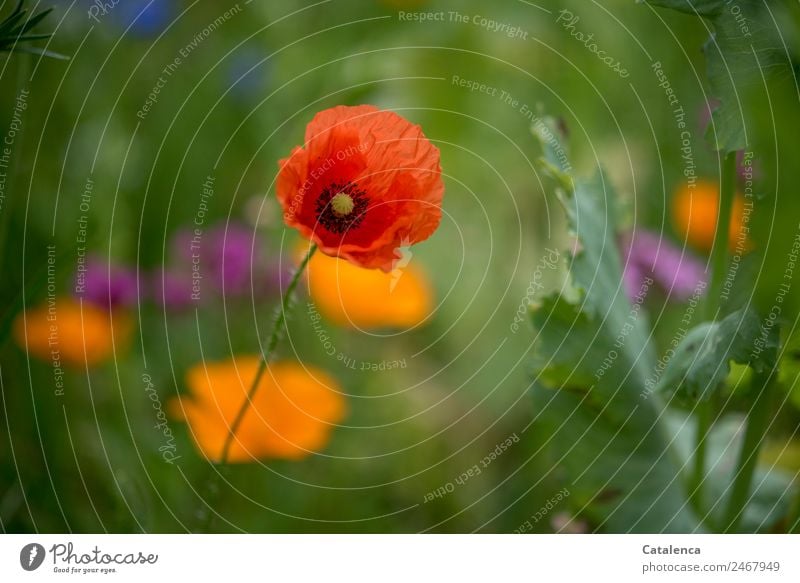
[592, 357]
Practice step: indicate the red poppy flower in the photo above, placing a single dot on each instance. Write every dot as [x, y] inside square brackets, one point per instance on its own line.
[365, 183]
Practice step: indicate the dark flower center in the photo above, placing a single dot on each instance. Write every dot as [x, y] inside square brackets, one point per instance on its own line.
[341, 207]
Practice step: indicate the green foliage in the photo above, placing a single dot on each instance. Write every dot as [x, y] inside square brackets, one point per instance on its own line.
[770, 493]
[702, 360]
[16, 29]
[409, 431]
[593, 348]
[743, 49]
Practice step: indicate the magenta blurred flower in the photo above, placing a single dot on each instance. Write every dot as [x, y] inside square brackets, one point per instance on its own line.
[172, 289]
[225, 259]
[106, 285]
[647, 255]
[233, 258]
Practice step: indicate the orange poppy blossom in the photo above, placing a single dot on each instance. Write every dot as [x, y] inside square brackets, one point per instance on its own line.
[368, 298]
[64, 330]
[695, 212]
[365, 182]
[290, 416]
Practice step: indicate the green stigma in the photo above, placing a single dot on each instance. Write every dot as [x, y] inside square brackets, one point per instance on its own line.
[342, 204]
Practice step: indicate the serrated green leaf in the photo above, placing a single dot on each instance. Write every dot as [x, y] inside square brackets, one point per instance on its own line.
[744, 49]
[702, 360]
[549, 163]
[593, 346]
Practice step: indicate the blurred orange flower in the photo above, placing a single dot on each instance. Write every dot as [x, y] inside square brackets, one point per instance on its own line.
[64, 331]
[290, 416]
[366, 298]
[365, 183]
[695, 210]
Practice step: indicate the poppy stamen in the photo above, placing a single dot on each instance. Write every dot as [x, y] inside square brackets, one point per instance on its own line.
[341, 207]
[342, 204]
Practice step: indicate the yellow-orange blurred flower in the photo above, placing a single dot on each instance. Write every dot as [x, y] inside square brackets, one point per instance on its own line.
[60, 330]
[368, 298]
[695, 211]
[290, 416]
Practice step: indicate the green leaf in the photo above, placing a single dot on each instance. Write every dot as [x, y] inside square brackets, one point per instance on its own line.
[701, 362]
[593, 347]
[42, 52]
[744, 49]
[34, 20]
[14, 28]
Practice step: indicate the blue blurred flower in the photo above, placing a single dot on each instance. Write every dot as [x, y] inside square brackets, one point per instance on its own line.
[146, 17]
[246, 75]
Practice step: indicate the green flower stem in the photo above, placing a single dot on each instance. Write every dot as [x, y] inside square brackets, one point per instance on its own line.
[206, 515]
[719, 263]
[757, 421]
[275, 336]
[793, 523]
[705, 414]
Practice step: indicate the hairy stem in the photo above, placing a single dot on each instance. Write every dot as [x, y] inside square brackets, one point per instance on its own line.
[206, 515]
[278, 326]
[705, 414]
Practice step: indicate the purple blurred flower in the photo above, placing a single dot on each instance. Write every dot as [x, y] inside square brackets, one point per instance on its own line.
[106, 285]
[172, 289]
[229, 259]
[233, 258]
[646, 254]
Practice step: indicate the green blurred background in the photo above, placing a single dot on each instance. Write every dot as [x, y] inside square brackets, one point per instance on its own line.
[239, 101]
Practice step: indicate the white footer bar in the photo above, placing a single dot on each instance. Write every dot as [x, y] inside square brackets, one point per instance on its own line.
[401, 558]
